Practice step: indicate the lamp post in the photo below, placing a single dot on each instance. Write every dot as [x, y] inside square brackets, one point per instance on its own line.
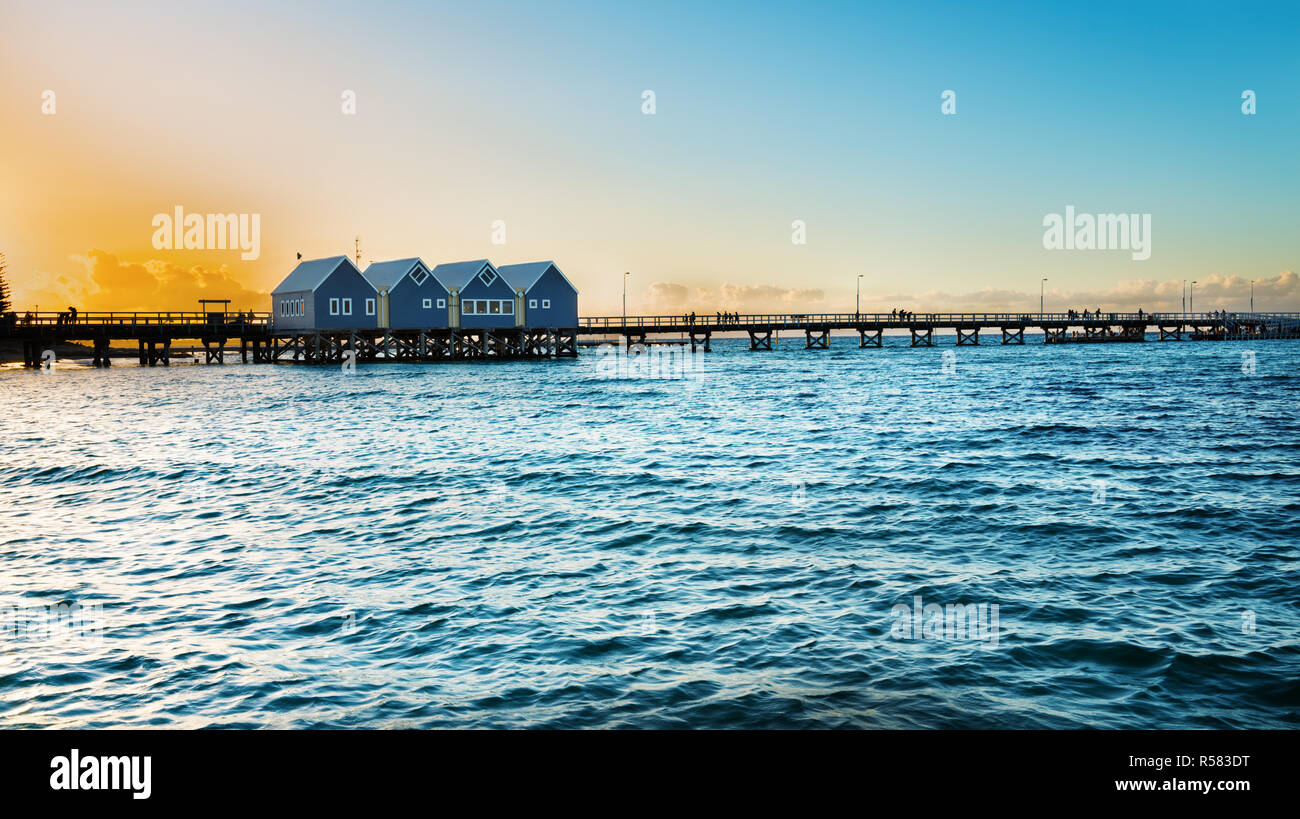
[1184, 296]
[1191, 297]
[625, 275]
[1252, 295]
[1040, 298]
[857, 304]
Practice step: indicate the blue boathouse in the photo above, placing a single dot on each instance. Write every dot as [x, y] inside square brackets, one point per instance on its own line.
[480, 297]
[547, 296]
[324, 294]
[410, 296]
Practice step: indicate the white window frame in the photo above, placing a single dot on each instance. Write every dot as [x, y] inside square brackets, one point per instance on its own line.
[370, 307]
[334, 307]
[467, 308]
[546, 304]
[532, 304]
[347, 307]
[508, 307]
[428, 304]
[442, 304]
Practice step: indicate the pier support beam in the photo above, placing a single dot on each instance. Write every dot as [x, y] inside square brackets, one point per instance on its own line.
[971, 336]
[214, 349]
[760, 340]
[1053, 335]
[700, 340]
[101, 352]
[34, 353]
[817, 339]
[923, 337]
[1013, 335]
[1171, 333]
[566, 343]
[870, 338]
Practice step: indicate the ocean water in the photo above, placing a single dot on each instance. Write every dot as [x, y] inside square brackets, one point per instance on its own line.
[1110, 533]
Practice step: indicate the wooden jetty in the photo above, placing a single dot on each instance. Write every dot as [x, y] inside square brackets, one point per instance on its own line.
[1057, 328]
[260, 341]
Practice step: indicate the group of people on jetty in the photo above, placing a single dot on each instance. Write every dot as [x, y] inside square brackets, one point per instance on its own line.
[11, 319]
[1074, 314]
[725, 319]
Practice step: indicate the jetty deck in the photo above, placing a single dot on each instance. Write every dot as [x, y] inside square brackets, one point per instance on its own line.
[1057, 328]
[260, 341]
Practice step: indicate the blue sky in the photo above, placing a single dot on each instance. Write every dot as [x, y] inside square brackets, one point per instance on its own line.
[766, 113]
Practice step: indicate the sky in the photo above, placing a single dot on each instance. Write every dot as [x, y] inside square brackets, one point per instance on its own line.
[520, 131]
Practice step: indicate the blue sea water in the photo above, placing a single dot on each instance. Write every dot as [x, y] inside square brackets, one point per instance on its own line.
[536, 544]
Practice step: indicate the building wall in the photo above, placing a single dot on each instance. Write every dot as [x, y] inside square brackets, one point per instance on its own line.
[476, 291]
[345, 282]
[562, 313]
[406, 309]
[291, 322]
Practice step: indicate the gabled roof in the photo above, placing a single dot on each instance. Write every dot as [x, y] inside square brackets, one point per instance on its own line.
[311, 274]
[460, 274]
[524, 276]
[388, 274]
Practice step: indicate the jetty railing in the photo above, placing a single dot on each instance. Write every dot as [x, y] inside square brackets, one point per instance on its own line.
[137, 319]
[716, 321]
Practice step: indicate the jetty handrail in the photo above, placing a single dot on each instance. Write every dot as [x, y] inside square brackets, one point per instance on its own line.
[712, 320]
[61, 318]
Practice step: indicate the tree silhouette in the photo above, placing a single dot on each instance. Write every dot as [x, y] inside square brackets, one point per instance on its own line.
[5, 303]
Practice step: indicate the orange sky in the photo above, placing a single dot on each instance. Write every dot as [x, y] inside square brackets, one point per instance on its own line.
[244, 114]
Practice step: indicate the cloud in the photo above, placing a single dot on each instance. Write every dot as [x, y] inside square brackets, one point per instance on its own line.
[672, 297]
[1273, 293]
[107, 283]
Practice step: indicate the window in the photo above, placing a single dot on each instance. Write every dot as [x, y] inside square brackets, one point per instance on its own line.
[418, 276]
[302, 307]
[532, 304]
[546, 304]
[442, 303]
[370, 307]
[486, 307]
[487, 276]
[347, 307]
[428, 303]
[334, 307]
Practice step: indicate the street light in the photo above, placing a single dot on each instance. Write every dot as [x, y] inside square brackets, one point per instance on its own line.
[1040, 298]
[1252, 295]
[1184, 296]
[857, 305]
[1191, 297]
[625, 275]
